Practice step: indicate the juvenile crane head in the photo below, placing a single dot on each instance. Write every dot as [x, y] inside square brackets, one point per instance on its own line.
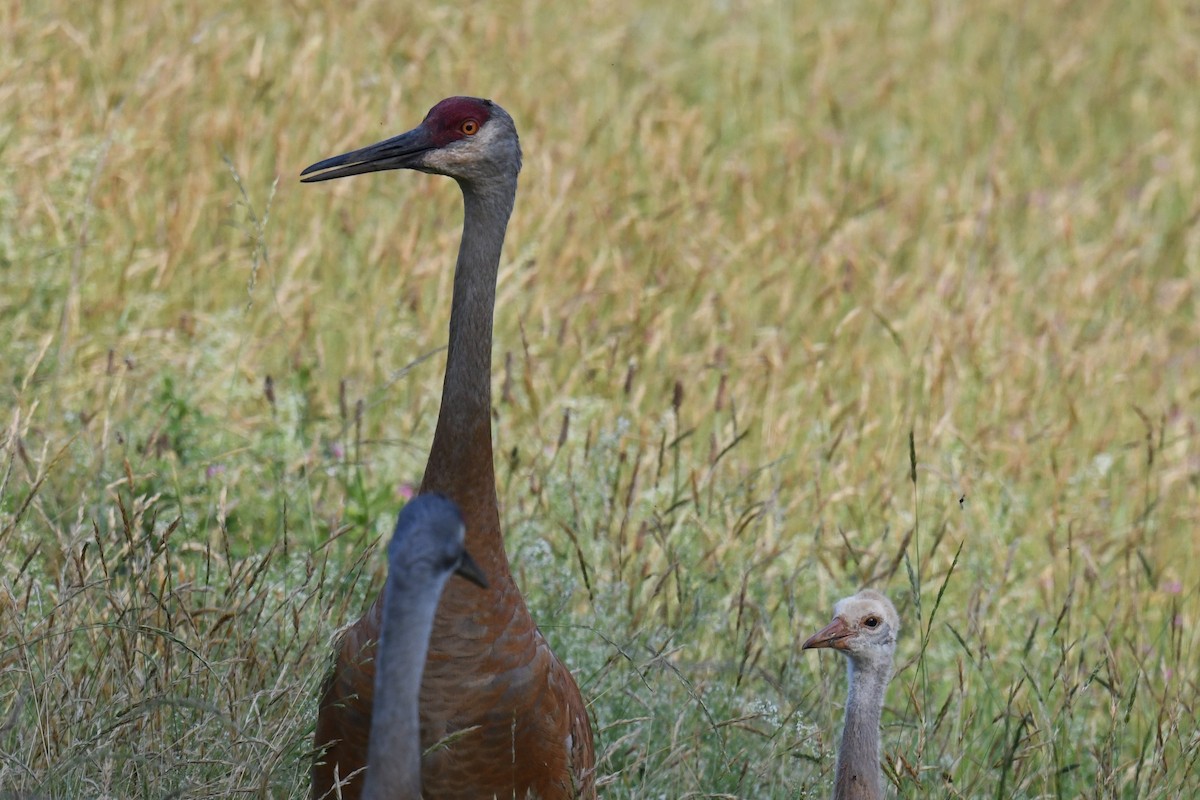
[427, 546]
[467, 138]
[864, 627]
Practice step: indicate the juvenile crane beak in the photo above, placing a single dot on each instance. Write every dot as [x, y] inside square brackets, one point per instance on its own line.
[468, 569]
[832, 635]
[399, 152]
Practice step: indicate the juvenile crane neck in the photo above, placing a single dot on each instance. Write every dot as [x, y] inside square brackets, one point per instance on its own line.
[858, 773]
[394, 749]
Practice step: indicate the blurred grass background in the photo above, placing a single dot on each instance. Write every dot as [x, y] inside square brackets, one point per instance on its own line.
[755, 245]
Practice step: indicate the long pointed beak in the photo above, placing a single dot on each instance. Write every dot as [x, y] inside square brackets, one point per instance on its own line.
[832, 635]
[468, 569]
[399, 152]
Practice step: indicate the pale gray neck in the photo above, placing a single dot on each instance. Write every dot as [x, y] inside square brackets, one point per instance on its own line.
[858, 773]
[394, 750]
[467, 390]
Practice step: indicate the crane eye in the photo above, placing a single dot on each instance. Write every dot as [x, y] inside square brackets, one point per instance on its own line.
[470, 127]
[871, 622]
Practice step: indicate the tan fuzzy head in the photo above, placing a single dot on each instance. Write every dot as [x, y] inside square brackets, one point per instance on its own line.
[864, 627]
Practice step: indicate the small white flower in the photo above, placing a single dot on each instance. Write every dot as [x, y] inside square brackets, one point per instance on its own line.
[1101, 464]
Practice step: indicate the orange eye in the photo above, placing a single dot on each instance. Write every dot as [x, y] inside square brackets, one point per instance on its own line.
[469, 127]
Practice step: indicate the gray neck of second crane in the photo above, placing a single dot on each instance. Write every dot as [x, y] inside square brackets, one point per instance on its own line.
[464, 421]
[394, 749]
[858, 773]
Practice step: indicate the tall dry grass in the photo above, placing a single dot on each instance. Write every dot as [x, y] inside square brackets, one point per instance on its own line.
[757, 246]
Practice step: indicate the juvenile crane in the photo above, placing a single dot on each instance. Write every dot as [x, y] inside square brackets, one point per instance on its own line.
[864, 628]
[426, 549]
[519, 723]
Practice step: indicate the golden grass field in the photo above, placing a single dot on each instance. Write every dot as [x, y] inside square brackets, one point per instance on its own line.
[756, 247]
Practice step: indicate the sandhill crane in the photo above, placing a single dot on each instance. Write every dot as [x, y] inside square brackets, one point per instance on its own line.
[426, 549]
[519, 722]
[864, 628]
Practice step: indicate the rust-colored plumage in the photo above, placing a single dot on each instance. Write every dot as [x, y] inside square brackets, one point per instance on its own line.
[516, 722]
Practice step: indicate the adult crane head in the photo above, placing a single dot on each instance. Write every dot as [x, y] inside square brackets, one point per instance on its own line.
[467, 138]
[428, 543]
[864, 627]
